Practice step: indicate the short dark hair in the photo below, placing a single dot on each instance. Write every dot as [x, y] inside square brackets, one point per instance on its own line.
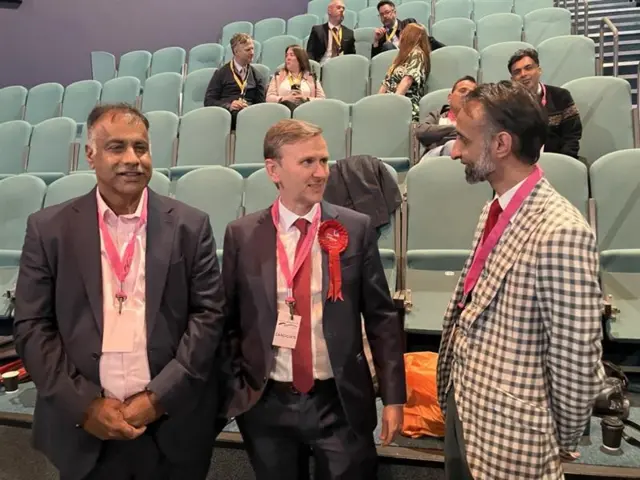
[510, 107]
[520, 54]
[382, 3]
[100, 111]
[466, 78]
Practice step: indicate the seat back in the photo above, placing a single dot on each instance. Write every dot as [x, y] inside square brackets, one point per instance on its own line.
[498, 28]
[273, 50]
[215, 190]
[230, 29]
[380, 65]
[103, 66]
[300, 25]
[355, 5]
[135, 64]
[14, 140]
[540, 25]
[162, 92]
[80, 98]
[567, 58]
[269, 27]
[69, 187]
[195, 89]
[421, 11]
[206, 55]
[495, 58]
[169, 59]
[353, 67]
[448, 64]
[333, 117]
[524, 7]
[252, 125]
[455, 31]
[121, 90]
[260, 192]
[570, 177]
[12, 103]
[160, 183]
[318, 7]
[433, 101]
[20, 196]
[364, 39]
[605, 108]
[204, 137]
[43, 102]
[453, 9]
[163, 137]
[369, 18]
[51, 146]
[482, 8]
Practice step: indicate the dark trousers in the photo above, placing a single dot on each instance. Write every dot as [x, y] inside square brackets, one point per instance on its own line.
[455, 455]
[281, 428]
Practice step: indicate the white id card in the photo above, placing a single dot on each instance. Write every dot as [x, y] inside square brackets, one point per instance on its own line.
[118, 334]
[286, 334]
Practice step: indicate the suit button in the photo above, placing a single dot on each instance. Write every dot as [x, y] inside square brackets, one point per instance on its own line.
[95, 356]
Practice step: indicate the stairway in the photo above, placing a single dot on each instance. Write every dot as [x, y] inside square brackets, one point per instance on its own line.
[626, 17]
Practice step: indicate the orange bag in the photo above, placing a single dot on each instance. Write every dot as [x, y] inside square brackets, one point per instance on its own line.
[422, 414]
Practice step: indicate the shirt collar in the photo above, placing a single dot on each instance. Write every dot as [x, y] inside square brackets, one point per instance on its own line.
[107, 213]
[332, 26]
[239, 68]
[288, 218]
[506, 197]
[539, 89]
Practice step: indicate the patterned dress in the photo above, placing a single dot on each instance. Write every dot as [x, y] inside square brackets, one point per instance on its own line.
[413, 67]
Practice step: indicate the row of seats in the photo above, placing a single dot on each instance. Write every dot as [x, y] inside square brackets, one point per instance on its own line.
[423, 251]
[203, 136]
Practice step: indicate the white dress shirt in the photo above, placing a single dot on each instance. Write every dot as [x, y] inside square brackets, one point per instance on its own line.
[327, 54]
[506, 197]
[289, 234]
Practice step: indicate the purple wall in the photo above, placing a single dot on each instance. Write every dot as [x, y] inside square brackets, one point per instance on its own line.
[51, 40]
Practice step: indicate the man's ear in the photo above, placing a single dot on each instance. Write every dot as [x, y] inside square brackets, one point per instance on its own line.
[90, 152]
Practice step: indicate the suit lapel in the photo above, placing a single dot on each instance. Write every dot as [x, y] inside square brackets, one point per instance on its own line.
[87, 248]
[509, 247]
[160, 236]
[265, 235]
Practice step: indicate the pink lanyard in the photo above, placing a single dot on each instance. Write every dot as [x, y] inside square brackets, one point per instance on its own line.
[302, 253]
[544, 95]
[120, 266]
[485, 249]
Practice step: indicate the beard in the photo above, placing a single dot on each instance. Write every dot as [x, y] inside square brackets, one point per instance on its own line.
[480, 170]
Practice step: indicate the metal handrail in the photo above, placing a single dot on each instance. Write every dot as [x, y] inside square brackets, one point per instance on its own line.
[616, 45]
[585, 20]
[637, 139]
[432, 17]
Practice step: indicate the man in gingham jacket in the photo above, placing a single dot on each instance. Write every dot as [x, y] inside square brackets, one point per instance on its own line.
[520, 356]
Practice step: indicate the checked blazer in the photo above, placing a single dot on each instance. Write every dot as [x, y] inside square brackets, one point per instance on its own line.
[529, 359]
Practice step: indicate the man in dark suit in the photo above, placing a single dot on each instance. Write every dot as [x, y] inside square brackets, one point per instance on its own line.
[119, 313]
[300, 375]
[237, 84]
[387, 37]
[331, 39]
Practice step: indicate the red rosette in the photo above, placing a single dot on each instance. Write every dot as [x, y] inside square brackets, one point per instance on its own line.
[333, 239]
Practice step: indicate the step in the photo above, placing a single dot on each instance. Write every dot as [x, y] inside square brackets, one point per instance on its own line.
[608, 11]
[594, 28]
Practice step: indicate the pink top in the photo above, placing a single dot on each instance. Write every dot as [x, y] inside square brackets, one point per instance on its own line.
[280, 86]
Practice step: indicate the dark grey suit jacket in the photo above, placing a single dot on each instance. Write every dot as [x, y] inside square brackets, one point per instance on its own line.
[58, 326]
[249, 277]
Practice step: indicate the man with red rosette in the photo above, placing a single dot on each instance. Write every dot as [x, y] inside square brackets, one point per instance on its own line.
[298, 276]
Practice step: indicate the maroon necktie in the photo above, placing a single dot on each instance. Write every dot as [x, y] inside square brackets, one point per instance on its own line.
[494, 213]
[302, 359]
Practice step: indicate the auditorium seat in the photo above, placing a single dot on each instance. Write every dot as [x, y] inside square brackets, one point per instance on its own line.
[606, 113]
[446, 9]
[269, 27]
[364, 39]
[333, 117]
[455, 31]
[300, 25]
[79, 99]
[369, 17]
[540, 25]
[135, 64]
[12, 103]
[203, 139]
[168, 59]
[615, 190]
[264, 72]
[391, 139]
[162, 92]
[318, 7]
[274, 48]
[20, 196]
[569, 177]
[380, 65]
[523, 7]
[163, 137]
[43, 102]
[259, 192]
[160, 183]
[195, 89]
[216, 191]
[434, 100]
[567, 58]
[14, 143]
[419, 10]
[482, 8]
[230, 29]
[441, 216]
[346, 78]
[103, 66]
[448, 64]
[69, 187]
[494, 60]
[121, 90]
[51, 148]
[389, 242]
[252, 125]
[206, 55]
[498, 28]
[355, 5]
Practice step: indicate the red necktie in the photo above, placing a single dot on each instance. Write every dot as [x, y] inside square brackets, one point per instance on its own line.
[494, 213]
[302, 359]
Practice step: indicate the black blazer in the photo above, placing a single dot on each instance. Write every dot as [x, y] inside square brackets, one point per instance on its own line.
[319, 39]
[223, 89]
[249, 277]
[59, 322]
[433, 43]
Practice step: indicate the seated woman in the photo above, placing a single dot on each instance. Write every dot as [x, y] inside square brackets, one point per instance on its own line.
[409, 71]
[295, 83]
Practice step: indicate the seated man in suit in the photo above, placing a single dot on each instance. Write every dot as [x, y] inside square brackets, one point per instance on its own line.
[387, 37]
[237, 84]
[118, 316]
[564, 128]
[332, 38]
[299, 276]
